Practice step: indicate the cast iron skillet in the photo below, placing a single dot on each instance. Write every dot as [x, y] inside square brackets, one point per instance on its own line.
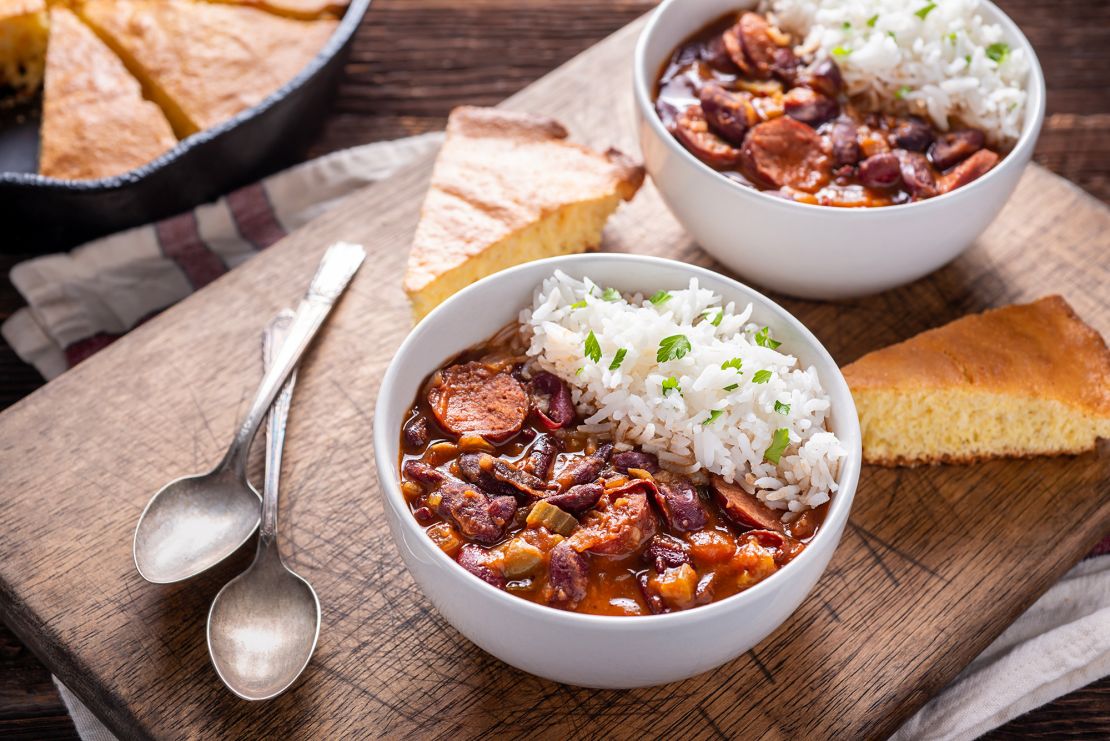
[40, 214]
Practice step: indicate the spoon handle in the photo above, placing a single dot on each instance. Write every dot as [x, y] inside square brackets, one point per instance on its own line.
[275, 335]
[339, 264]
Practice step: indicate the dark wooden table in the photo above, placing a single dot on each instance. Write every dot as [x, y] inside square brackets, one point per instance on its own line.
[413, 60]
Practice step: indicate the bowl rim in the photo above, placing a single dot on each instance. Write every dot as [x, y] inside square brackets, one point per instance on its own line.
[386, 448]
[1035, 88]
[344, 31]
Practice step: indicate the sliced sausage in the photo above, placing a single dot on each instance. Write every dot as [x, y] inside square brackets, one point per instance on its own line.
[479, 562]
[759, 47]
[716, 54]
[578, 499]
[955, 146]
[744, 508]
[500, 477]
[567, 572]
[679, 502]
[970, 169]
[728, 114]
[541, 457]
[476, 516]
[552, 401]
[785, 548]
[475, 398]
[784, 152]
[665, 552]
[584, 469]
[845, 144]
[627, 459]
[809, 107]
[824, 77]
[691, 128]
[785, 64]
[917, 174]
[618, 529]
[912, 134]
[423, 473]
[880, 171]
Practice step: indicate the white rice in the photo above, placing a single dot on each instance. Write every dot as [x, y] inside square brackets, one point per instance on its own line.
[940, 65]
[630, 405]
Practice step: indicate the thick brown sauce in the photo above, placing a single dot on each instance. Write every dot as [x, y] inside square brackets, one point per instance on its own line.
[613, 582]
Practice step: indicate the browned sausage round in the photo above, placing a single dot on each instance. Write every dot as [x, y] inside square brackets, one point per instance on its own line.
[618, 529]
[917, 174]
[809, 107]
[473, 398]
[784, 152]
[745, 508]
[727, 113]
[759, 47]
[970, 169]
[955, 146]
[692, 130]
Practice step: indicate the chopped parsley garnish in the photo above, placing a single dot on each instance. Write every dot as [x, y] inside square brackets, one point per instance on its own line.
[716, 320]
[952, 38]
[997, 52]
[611, 294]
[661, 297]
[841, 51]
[891, 35]
[761, 376]
[779, 441]
[763, 339]
[713, 415]
[618, 359]
[672, 347]
[872, 20]
[732, 387]
[593, 349]
[579, 371]
[968, 60]
[579, 304]
[782, 408]
[902, 91]
[670, 384]
[925, 11]
[734, 363]
[846, 25]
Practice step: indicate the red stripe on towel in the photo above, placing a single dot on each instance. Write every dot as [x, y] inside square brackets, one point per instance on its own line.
[254, 216]
[180, 241]
[83, 349]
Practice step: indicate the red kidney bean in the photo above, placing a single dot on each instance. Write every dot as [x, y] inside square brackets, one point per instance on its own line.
[416, 433]
[584, 469]
[880, 171]
[679, 502]
[845, 144]
[665, 551]
[728, 114]
[541, 457]
[551, 400]
[627, 459]
[917, 174]
[955, 146]
[911, 134]
[578, 499]
[692, 129]
[477, 518]
[824, 77]
[567, 571]
[477, 561]
[809, 107]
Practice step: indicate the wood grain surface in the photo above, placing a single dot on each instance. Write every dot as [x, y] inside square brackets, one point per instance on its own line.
[934, 564]
[414, 59]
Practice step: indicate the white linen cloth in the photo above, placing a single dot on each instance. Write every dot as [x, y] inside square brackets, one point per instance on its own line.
[79, 302]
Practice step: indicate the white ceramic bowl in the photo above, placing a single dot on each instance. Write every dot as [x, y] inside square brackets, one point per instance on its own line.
[590, 650]
[804, 250]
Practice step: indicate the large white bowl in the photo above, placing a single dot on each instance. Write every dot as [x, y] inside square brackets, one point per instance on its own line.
[818, 252]
[589, 650]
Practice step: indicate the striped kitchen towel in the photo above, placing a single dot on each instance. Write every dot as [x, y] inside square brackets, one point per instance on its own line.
[81, 301]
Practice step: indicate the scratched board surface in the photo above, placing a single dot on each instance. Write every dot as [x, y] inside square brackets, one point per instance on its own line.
[935, 561]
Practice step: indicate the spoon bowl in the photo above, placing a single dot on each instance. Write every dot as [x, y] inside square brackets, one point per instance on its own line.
[263, 628]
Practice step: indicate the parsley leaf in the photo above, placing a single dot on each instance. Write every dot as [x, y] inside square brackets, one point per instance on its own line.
[732, 387]
[901, 92]
[734, 363]
[779, 441]
[925, 11]
[872, 20]
[763, 339]
[661, 297]
[841, 51]
[593, 349]
[846, 25]
[670, 384]
[611, 294]
[579, 304]
[618, 359]
[713, 415]
[672, 347]
[579, 371]
[761, 376]
[997, 52]
[716, 320]
[782, 408]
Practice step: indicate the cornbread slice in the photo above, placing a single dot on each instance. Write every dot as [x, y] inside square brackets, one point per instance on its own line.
[301, 9]
[23, 33]
[95, 121]
[1022, 380]
[508, 188]
[205, 62]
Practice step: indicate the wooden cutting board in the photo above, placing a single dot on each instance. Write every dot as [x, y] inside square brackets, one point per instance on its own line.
[934, 564]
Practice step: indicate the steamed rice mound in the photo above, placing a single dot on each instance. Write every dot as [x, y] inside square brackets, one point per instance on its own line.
[697, 412]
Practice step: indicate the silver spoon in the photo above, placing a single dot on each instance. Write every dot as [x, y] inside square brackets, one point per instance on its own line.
[263, 625]
[194, 522]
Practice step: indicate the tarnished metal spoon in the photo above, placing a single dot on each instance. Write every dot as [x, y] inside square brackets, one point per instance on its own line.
[195, 522]
[263, 625]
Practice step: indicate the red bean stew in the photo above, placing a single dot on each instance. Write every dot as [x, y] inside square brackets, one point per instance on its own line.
[495, 471]
[739, 99]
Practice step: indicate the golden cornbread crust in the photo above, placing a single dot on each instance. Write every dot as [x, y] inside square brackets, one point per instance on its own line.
[499, 175]
[95, 121]
[205, 62]
[1035, 361]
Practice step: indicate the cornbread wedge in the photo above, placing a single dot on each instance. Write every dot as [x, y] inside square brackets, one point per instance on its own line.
[205, 62]
[304, 10]
[1018, 381]
[95, 121]
[23, 32]
[508, 188]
